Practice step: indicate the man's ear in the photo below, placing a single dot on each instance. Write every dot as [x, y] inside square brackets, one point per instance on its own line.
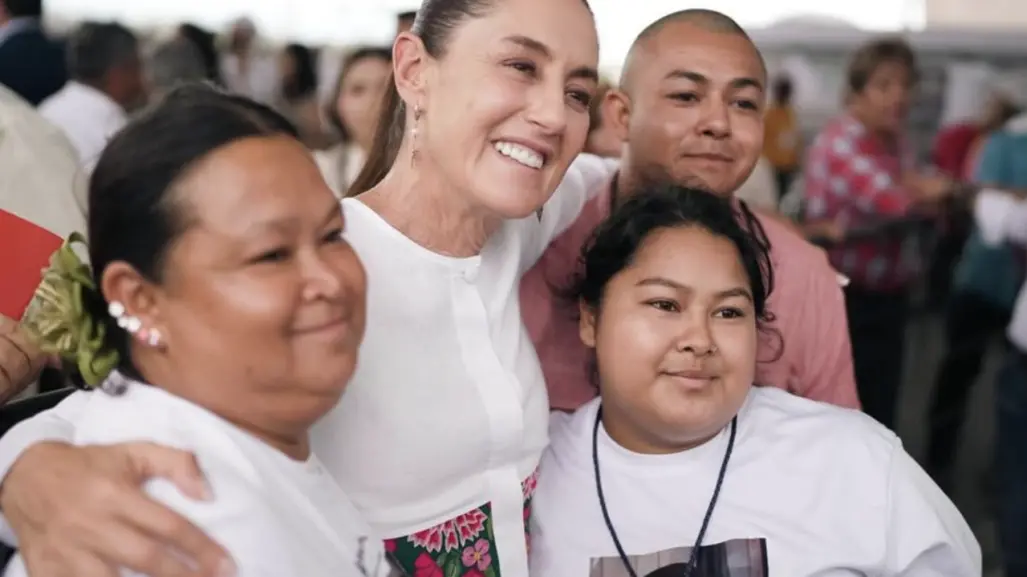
[616, 110]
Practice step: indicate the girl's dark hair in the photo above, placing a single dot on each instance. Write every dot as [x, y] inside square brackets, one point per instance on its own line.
[358, 55]
[657, 206]
[303, 81]
[134, 216]
[435, 22]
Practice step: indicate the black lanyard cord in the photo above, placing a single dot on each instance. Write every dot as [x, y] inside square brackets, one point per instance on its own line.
[693, 559]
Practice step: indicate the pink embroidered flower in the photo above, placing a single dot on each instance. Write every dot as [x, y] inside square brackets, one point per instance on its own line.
[470, 525]
[430, 539]
[451, 535]
[425, 566]
[390, 545]
[478, 555]
[528, 485]
[473, 573]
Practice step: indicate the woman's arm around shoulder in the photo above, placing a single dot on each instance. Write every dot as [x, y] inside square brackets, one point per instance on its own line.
[585, 179]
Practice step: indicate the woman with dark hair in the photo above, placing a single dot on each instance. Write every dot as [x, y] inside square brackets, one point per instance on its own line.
[353, 114]
[221, 315]
[297, 98]
[682, 461]
[440, 432]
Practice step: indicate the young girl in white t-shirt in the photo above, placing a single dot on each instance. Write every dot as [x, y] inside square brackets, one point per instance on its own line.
[683, 467]
[222, 315]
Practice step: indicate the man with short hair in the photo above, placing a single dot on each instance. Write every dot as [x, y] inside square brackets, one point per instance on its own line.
[106, 84]
[31, 64]
[690, 108]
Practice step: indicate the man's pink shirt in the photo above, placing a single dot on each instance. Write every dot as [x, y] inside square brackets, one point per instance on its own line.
[807, 303]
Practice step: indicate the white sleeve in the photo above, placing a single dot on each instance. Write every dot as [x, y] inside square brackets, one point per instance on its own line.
[244, 526]
[582, 182]
[56, 424]
[926, 535]
[1000, 218]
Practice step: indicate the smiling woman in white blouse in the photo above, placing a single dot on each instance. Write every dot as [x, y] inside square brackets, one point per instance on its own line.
[440, 432]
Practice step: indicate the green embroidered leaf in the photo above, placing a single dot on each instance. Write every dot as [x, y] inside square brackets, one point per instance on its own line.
[454, 568]
[491, 571]
[442, 558]
[488, 528]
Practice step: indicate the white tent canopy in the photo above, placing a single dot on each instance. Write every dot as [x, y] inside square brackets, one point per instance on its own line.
[348, 22]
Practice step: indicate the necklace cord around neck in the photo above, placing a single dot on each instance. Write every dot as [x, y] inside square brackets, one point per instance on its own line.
[693, 559]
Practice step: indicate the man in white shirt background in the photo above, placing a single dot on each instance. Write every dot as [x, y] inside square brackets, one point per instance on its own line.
[106, 83]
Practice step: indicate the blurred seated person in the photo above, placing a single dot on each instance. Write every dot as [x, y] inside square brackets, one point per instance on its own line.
[602, 136]
[297, 98]
[205, 328]
[353, 114]
[107, 83]
[31, 64]
[860, 172]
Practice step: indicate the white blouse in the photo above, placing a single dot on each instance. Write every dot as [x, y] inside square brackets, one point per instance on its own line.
[448, 409]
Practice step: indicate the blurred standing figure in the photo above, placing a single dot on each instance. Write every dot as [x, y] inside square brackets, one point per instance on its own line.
[106, 83]
[206, 43]
[175, 62]
[353, 113]
[859, 172]
[297, 96]
[246, 70]
[985, 286]
[782, 140]
[959, 258]
[31, 64]
[603, 139]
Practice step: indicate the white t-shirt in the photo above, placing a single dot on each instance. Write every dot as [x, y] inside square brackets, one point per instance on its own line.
[276, 516]
[811, 489]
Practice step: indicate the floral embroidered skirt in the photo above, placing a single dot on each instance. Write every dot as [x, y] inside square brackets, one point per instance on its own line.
[461, 547]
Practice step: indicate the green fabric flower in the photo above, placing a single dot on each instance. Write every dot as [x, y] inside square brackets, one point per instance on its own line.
[57, 319]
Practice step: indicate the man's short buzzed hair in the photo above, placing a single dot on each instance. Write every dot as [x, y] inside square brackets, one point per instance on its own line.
[710, 20]
[704, 19]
